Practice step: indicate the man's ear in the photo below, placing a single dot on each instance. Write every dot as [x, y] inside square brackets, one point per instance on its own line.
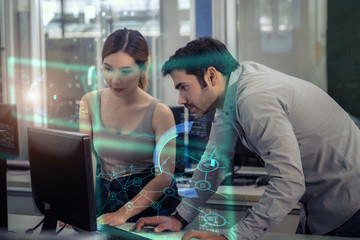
[212, 75]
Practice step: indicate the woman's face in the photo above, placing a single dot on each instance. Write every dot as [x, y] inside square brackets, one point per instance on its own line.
[121, 73]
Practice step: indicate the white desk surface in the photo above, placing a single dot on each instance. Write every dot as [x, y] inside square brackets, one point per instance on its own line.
[20, 180]
[20, 223]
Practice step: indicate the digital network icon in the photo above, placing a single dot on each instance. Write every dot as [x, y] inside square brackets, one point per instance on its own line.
[206, 165]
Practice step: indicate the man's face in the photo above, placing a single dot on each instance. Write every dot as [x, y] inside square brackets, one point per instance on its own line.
[195, 98]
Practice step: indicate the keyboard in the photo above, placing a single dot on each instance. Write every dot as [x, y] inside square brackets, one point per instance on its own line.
[119, 234]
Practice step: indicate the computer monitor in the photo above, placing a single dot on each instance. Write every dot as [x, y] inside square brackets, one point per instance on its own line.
[199, 135]
[9, 144]
[9, 148]
[62, 177]
[243, 157]
[198, 139]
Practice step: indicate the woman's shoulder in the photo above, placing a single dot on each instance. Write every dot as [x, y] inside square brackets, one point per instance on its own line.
[162, 114]
[91, 95]
[162, 108]
[159, 114]
[161, 111]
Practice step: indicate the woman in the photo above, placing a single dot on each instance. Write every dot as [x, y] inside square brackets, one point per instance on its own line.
[124, 123]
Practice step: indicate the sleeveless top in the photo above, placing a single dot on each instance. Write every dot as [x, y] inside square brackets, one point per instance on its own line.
[120, 154]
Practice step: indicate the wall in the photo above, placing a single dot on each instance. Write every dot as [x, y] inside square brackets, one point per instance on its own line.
[297, 54]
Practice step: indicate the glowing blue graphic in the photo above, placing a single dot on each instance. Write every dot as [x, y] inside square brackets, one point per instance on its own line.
[35, 82]
[165, 138]
[41, 112]
[169, 191]
[202, 185]
[31, 94]
[206, 165]
[214, 219]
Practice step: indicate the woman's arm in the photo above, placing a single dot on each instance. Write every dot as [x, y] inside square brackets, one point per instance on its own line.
[162, 121]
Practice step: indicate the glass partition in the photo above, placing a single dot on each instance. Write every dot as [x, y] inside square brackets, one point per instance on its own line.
[54, 55]
[74, 33]
[1, 49]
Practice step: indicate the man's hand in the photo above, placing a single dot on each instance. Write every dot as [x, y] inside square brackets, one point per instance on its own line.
[161, 223]
[112, 219]
[202, 235]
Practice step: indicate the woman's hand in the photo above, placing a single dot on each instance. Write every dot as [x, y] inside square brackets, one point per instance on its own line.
[112, 219]
[61, 224]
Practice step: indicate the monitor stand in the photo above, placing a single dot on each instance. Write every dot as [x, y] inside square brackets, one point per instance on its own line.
[50, 222]
[3, 195]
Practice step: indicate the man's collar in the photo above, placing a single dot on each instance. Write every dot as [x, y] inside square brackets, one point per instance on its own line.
[229, 103]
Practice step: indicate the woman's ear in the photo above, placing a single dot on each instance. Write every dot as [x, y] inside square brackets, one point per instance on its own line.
[144, 67]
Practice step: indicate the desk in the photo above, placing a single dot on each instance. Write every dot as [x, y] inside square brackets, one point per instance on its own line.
[231, 201]
[20, 223]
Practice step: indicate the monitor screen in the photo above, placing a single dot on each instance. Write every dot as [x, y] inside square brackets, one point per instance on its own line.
[244, 157]
[9, 146]
[198, 138]
[199, 135]
[62, 177]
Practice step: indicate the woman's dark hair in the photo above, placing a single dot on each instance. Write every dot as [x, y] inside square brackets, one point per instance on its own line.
[131, 42]
[198, 55]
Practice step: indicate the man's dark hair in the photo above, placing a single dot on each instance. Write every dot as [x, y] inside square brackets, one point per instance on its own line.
[198, 55]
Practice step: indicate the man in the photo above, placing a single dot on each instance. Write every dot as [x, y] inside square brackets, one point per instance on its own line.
[309, 145]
